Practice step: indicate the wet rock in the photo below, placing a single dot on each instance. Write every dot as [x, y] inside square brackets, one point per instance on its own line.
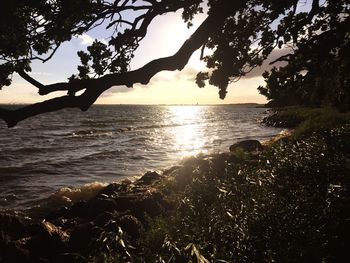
[48, 241]
[172, 170]
[149, 178]
[124, 203]
[104, 218]
[131, 225]
[76, 209]
[54, 215]
[52, 231]
[111, 189]
[12, 226]
[247, 145]
[12, 251]
[83, 235]
[98, 206]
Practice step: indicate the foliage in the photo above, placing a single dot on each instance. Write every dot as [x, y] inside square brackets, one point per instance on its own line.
[307, 120]
[317, 72]
[30, 29]
[236, 37]
[287, 205]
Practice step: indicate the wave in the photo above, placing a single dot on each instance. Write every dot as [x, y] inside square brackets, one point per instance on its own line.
[68, 195]
[157, 126]
[89, 134]
[27, 150]
[102, 155]
[64, 196]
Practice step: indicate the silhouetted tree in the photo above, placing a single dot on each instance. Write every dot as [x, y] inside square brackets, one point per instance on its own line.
[317, 71]
[240, 35]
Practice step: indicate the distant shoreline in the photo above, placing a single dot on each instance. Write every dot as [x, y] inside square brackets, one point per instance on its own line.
[248, 104]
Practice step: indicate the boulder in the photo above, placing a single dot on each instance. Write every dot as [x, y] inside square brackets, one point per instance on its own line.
[131, 225]
[247, 145]
[104, 218]
[48, 241]
[111, 189]
[56, 214]
[81, 236]
[12, 251]
[98, 206]
[12, 226]
[149, 178]
[76, 210]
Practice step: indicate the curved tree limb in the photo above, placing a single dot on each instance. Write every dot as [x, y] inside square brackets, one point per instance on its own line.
[95, 87]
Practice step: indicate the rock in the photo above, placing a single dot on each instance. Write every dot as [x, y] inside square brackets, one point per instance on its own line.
[12, 251]
[124, 203]
[83, 236]
[52, 231]
[12, 226]
[171, 170]
[131, 225]
[59, 213]
[104, 218]
[76, 209]
[111, 189]
[80, 237]
[98, 206]
[48, 241]
[247, 145]
[149, 178]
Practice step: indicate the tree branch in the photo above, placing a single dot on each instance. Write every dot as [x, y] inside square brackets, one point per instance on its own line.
[95, 87]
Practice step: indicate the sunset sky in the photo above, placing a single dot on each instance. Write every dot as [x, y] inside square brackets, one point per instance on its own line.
[166, 35]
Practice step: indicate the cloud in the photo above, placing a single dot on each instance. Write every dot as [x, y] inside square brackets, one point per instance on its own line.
[41, 73]
[187, 74]
[115, 90]
[87, 40]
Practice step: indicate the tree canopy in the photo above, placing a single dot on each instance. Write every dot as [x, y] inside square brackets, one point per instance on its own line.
[236, 37]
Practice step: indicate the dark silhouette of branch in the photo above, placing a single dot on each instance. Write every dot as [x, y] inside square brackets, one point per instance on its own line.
[95, 87]
[285, 58]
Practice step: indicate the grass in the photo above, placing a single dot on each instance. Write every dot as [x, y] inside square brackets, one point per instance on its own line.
[305, 121]
[291, 203]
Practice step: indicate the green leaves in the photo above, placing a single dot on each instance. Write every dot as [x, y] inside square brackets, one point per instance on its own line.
[201, 78]
[5, 71]
[100, 59]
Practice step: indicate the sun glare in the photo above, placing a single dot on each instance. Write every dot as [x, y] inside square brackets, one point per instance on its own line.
[187, 133]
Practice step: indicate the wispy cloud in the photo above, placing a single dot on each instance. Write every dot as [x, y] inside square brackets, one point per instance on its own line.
[41, 73]
[87, 40]
[115, 90]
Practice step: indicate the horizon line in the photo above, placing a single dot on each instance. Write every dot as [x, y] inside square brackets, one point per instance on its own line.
[159, 104]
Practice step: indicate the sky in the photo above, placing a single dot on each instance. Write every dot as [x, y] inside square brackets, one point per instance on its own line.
[166, 35]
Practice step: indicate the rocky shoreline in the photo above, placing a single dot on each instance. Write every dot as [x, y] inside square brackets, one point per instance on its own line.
[70, 230]
[118, 208]
[284, 201]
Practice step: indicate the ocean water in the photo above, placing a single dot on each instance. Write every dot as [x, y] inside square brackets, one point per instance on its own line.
[69, 152]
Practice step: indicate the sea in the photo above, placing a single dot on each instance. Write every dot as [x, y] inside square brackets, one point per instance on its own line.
[57, 158]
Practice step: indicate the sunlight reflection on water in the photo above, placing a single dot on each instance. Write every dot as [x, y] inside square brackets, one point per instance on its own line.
[188, 139]
[112, 142]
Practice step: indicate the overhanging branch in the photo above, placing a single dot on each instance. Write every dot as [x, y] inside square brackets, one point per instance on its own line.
[95, 87]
